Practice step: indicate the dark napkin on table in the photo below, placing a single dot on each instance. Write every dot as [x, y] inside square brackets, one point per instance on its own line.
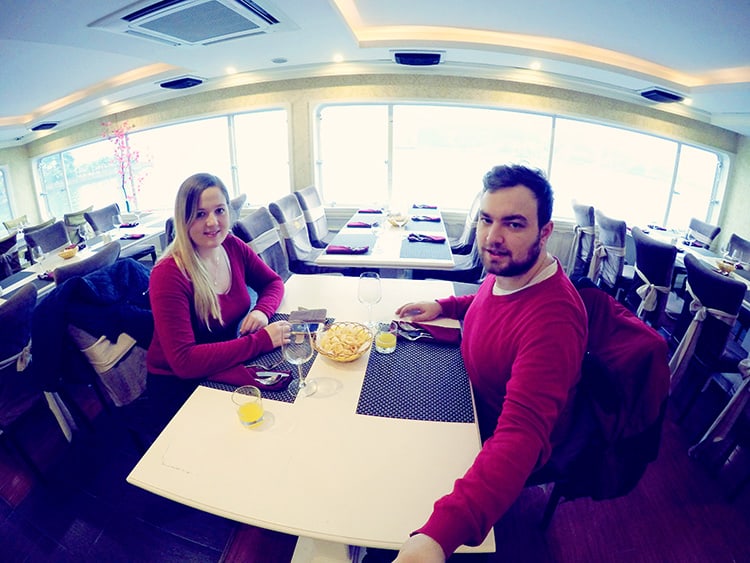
[427, 218]
[340, 249]
[132, 236]
[129, 225]
[444, 334]
[280, 385]
[359, 224]
[424, 206]
[419, 237]
[370, 211]
[308, 316]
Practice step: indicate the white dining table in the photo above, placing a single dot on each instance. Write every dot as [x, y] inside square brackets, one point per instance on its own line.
[389, 247]
[315, 468]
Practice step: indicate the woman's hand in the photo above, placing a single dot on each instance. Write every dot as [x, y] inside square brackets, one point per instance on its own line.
[253, 322]
[279, 332]
[421, 311]
[420, 548]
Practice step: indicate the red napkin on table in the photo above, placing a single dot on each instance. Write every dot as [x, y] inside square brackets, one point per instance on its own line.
[359, 224]
[129, 225]
[426, 218]
[419, 237]
[340, 249]
[424, 206]
[370, 211]
[280, 385]
[132, 236]
[445, 334]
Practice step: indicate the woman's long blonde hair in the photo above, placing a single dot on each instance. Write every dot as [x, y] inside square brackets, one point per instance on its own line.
[183, 250]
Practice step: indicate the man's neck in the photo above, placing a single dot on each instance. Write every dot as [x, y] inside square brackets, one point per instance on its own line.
[514, 283]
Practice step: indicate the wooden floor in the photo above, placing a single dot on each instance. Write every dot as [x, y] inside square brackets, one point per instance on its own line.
[678, 513]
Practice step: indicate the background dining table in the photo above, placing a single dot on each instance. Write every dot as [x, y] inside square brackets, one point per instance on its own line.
[358, 463]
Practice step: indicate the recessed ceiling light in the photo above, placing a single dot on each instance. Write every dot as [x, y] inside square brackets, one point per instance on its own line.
[279, 60]
[535, 65]
[104, 102]
[338, 57]
[230, 70]
[688, 101]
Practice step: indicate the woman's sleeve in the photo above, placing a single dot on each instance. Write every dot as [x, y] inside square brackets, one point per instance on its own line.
[172, 303]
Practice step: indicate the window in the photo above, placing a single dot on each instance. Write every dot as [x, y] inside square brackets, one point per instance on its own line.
[88, 175]
[407, 153]
[6, 212]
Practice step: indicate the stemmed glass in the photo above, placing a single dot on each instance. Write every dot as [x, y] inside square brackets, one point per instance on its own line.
[369, 292]
[298, 351]
[85, 233]
[37, 255]
[116, 223]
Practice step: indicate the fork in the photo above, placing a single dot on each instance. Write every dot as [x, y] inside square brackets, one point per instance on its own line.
[413, 335]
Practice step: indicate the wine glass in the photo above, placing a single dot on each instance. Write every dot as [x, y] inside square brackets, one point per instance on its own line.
[37, 255]
[116, 224]
[298, 351]
[369, 292]
[85, 233]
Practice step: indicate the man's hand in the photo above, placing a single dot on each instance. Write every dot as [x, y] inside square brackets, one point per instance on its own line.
[420, 548]
[421, 311]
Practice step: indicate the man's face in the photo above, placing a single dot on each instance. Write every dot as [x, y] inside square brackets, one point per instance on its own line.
[509, 238]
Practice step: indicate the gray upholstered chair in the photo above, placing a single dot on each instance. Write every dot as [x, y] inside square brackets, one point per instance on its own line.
[106, 256]
[315, 216]
[465, 242]
[102, 221]
[258, 230]
[48, 238]
[608, 268]
[582, 248]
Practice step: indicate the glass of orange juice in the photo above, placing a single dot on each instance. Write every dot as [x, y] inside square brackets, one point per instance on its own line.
[386, 337]
[249, 405]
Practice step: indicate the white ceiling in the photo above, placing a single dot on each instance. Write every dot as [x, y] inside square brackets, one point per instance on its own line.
[56, 68]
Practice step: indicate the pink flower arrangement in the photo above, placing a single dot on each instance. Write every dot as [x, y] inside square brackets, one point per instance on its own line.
[126, 158]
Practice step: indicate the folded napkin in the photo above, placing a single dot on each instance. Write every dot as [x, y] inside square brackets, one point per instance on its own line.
[424, 206]
[426, 218]
[280, 385]
[340, 249]
[656, 227]
[132, 236]
[445, 334]
[419, 237]
[370, 211]
[359, 224]
[308, 316]
[129, 225]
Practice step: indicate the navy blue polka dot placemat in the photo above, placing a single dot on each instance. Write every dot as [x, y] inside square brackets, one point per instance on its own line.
[17, 277]
[273, 360]
[427, 250]
[419, 381]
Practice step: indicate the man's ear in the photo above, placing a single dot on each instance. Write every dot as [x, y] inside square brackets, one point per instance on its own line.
[546, 231]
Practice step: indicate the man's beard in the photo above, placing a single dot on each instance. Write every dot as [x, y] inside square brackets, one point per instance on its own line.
[514, 268]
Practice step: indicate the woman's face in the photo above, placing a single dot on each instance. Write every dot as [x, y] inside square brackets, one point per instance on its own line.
[211, 224]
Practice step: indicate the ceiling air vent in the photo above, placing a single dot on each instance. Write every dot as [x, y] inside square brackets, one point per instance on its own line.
[196, 22]
[44, 126]
[412, 58]
[661, 96]
[181, 83]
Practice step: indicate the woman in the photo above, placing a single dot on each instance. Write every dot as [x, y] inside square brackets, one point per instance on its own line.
[203, 325]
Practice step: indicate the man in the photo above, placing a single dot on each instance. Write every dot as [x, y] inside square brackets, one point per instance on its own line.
[525, 334]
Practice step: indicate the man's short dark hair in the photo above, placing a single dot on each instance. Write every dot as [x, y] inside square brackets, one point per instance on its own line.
[510, 175]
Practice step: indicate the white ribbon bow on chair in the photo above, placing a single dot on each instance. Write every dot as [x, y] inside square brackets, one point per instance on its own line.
[681, 358]
[601, 251]
[648, 293]
[577, 232]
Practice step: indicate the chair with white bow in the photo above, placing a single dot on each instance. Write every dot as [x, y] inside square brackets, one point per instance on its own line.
[584, 235]
[710, 312]
[608, 269]
[315, 216]
[654, 262]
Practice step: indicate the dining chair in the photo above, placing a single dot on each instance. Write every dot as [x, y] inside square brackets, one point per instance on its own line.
[103, 257]
[701, 233]
[608, 269]
[20, 388]
[73, 222]
[464, 243]
[649, 292]
[235, 207]
[258, 230]
[169, 231]
[101, 220]
[618, 407]
[466, 269]
[49, 238]
[704, 326]
[293, 228]
[10, 261]
[315, 216]
[739, 248]
[12, 225]
[584, 235]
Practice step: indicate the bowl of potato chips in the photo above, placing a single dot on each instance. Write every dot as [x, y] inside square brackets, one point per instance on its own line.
[343, 341]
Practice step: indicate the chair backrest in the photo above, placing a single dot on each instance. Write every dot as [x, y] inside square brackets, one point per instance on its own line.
[655, 261]
[258, 230]
[106, 256]
[8, 242]
[235, 207]
[315, 216]
[101, 219]
[701, 232]
[41, 225]
[73, 221]
[583, 240]
[15, 321]
[739, 248]
[293, 228]
[612, 233]
[465, 241]
[48, 238]
[169, 231]
[714, 291]
[13, 224]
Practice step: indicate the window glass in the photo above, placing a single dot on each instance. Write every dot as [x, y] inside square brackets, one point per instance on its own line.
[6, 212]
[262, 148]
[441, 153]
[696, 172]
[627, 175]
[353, 154]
